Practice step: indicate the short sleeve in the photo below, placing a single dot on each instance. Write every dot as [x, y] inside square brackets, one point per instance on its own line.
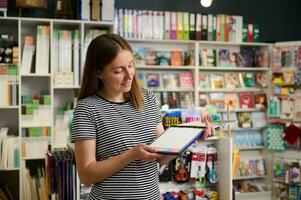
[155, 104]
[83, 123]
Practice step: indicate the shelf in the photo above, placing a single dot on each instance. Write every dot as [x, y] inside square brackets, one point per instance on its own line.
[9, 107]
[35, 158]
[35, 75]
[281, 182]
[65, 87]
[248, 129]
[246, 89]
[10, 169]
[171, 90]
[283, 69]
[218, 68]
[200, 42]
[250, 148]
[234, 43]
[165, 67]
[59, 20]
[240, 110]
[161, 41]
[35, 125]
[265, 195]
[248, 177]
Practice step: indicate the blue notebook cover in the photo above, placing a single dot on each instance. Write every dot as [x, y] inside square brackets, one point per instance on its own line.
[176, 139]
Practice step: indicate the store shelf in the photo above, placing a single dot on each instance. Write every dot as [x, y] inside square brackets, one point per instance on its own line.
[240, 110]
[250, 148]
[10, 169]
[33, 158]
[165, 67]
[65, 87]
[248, 177]
[246, 89]
[248, 129]
[9, 107]
[265, 195]
[235, 43]
[172, 90]
[219, 68]
[161, 41]
[35, 75]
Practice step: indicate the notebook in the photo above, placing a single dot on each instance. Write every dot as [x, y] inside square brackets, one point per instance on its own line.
[176, 139]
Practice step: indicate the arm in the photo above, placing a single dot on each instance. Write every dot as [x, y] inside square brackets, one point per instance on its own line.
[90, 171]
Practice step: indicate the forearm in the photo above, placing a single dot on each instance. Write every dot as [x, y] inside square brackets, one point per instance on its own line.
[99, 171]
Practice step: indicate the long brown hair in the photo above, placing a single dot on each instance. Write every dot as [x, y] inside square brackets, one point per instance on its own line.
[101, 52]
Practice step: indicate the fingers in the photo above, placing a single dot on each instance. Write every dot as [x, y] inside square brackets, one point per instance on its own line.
[147, 153]
[209, 130]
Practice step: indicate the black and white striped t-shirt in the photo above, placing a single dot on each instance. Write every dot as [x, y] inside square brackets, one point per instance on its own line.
[117, 127]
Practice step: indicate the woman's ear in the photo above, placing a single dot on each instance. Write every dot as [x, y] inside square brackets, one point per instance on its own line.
[99, 74]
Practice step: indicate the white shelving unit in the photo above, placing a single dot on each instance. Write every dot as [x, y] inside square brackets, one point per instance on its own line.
[291, 154]
[31, 84]
[245, 151]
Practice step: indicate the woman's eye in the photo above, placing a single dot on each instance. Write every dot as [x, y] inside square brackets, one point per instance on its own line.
[117, 71]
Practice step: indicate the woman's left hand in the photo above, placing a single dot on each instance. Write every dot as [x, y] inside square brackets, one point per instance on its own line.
[209, 130]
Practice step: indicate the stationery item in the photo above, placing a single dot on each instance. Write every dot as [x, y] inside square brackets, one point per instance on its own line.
[176, 139]
[192, 26]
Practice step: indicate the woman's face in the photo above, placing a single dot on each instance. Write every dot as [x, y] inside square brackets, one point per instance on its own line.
[117, 77]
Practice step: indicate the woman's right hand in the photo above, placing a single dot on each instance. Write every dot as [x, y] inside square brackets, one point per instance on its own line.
[145, 153]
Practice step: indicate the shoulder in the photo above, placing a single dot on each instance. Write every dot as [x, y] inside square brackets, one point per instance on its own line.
[86, 103]
[148, 95]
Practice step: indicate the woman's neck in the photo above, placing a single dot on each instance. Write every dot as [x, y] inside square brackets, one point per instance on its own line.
[111, 97]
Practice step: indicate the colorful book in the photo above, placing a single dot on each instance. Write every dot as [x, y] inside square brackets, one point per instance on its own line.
[163, 57]
[203, 99]
[186, 100]
[150, 56]
[231, 80]
[186, 80]
[170, 80]
[224, 58]
[153, 80]
[261, 101]
[171, 99]
[261, 79]
[217, 99]
[176, 58]
[217, 81]
[204, 81]
[231, 99]
[246, 100]
[141, 79]
[244, 119]
[138, 53]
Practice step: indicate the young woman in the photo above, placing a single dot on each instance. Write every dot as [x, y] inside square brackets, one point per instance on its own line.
[114, 121]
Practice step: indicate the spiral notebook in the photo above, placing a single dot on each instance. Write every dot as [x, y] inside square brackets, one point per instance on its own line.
[176, 139]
